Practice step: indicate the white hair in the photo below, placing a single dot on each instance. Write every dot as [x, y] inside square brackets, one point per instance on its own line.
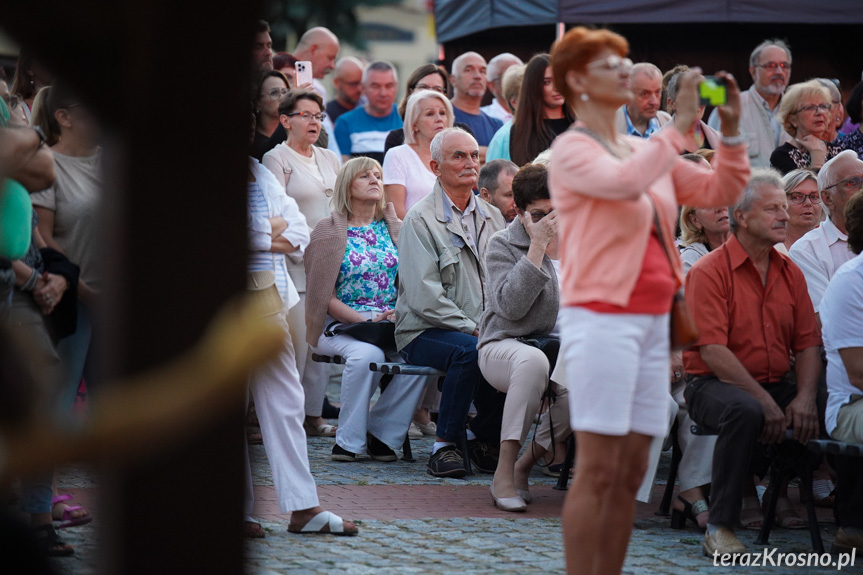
[437, 142]
[826, 177]
[413, 110]
[494, 65]
[456, 64]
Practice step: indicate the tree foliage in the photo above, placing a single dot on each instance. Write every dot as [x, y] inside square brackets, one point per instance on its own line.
[288, 17]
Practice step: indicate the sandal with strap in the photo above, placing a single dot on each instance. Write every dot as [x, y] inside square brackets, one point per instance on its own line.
[690, 511]
[751, 516]
[50, 543]
[66, 515]
[334, 524]
[322, 430]
[823, 493]
[786, 515]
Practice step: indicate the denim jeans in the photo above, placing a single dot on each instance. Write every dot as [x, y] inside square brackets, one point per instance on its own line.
[454, 353]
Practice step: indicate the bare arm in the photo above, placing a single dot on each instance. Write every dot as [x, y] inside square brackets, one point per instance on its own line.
[728, 369]
[46, 228]
[282, 246]
[343, 312]
[278, 225]
[802, 413]
[38, 173]
[397, 194]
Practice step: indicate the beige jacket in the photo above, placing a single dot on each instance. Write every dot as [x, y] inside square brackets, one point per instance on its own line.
[441, 275]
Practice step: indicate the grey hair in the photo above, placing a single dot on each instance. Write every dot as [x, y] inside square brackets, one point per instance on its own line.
[835, 93]
[756, 53]
[671, 91]
[759, 178]
[456, 64]
[543, 158]
[379, 66]
[413, 110]
[796, 177]
[490, 173]
[437, 142]
[825, 174]
[645, 68]
[492, 70]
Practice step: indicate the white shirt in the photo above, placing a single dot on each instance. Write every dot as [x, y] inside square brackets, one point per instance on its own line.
[297, 232]
[842, 327]
[819, 253]
[403, 167]
[495, 110]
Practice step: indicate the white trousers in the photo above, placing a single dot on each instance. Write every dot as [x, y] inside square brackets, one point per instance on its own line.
[313, 375]
[278, 396]
[696, 464]
[390, 417]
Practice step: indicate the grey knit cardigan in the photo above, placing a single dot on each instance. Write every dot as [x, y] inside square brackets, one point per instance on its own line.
[522, 299]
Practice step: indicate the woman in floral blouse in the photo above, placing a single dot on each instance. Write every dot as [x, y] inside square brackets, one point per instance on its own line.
[351, 265]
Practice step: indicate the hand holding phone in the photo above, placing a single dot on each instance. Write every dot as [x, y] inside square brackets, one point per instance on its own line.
[304, 73]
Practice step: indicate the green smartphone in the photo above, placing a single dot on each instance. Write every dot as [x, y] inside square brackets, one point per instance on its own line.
[712, 91]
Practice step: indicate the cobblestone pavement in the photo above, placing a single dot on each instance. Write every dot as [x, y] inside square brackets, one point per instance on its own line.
[411, 522]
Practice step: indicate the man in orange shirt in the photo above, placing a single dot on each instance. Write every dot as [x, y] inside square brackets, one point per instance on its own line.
[753, 310]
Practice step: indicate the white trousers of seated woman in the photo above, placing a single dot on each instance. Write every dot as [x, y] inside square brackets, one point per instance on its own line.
[390, 417]
[279, 403]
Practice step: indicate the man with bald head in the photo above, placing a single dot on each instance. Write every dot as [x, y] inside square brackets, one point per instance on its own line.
[348, 82]
[770, 68]
[442, 246]
[642, 116]
[320, 47]
[497, 66]
[469, 82]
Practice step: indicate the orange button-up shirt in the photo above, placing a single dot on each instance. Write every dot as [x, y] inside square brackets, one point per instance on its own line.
[760, 323]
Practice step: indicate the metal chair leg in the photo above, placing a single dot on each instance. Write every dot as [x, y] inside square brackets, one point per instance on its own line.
[568, 461]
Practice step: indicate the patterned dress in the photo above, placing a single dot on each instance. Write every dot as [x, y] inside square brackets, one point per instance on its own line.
[367, 276]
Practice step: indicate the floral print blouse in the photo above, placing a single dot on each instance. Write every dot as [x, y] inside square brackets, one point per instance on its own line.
[367, 276]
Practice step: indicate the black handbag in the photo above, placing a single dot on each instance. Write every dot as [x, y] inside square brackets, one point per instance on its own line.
[547, 344]
[380, 334]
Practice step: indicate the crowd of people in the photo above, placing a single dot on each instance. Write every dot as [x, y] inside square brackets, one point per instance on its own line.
[529, 250]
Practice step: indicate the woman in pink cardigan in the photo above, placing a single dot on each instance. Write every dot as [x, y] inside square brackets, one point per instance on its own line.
[618, 281]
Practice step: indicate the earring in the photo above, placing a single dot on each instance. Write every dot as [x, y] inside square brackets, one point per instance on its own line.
[584, 97]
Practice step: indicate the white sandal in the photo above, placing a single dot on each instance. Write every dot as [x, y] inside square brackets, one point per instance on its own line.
[324, 519]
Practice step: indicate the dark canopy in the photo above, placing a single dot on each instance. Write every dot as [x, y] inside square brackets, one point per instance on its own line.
[457, 18]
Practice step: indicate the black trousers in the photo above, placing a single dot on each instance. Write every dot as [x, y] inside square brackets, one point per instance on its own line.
[739, 419]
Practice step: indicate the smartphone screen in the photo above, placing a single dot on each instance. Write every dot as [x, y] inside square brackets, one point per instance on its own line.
[712, 91]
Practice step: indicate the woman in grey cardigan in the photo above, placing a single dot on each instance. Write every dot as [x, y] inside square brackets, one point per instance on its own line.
[523, 300]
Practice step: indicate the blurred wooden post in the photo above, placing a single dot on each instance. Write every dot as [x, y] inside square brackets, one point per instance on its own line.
[171, 82]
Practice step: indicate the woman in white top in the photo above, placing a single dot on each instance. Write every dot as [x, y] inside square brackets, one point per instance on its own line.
[407, 175]
[309, 176]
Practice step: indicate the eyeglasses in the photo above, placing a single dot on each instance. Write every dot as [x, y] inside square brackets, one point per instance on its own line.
[440, 89]
[854, 183]
[816, 107]
[613, 62]
[537, 215]
[773, 65]
[12, 101]
[799, 197]
[308, 116]
[276, 93]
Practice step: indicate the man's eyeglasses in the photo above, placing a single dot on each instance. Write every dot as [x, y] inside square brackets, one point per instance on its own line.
[308, 116]
[799, 197]
[435, 88]
[773, 65]
[613, 62]
[854, 183]
[537, 215]
[819, 107]
[276, 93]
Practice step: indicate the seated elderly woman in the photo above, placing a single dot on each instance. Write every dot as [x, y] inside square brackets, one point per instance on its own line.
[701, 229]
[523, 301]
[351, 265]
[806, 114]
[703, 137]
[804, 206]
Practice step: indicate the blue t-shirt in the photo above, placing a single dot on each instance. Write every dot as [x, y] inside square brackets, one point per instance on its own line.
[482, 125]
[359, 134]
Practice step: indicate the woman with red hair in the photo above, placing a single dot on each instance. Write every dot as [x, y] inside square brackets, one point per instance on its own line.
[620, 273]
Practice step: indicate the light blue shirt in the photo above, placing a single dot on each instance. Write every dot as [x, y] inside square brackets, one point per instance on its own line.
[652, 126]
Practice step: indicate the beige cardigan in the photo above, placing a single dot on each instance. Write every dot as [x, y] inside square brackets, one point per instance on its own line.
[322, 261]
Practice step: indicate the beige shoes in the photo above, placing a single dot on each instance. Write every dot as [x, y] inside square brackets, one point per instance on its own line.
[507, 503]
[847, 539]
[722, 542]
